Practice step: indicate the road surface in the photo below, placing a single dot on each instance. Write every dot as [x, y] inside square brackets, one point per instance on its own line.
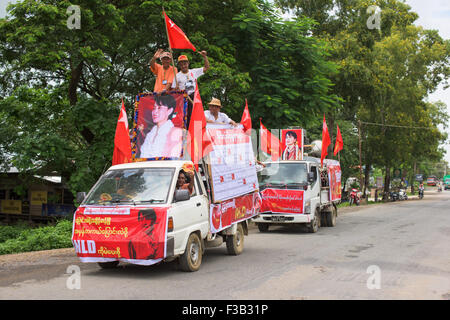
[386, 251]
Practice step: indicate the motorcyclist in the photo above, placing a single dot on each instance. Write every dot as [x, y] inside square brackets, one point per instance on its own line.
[421, 189]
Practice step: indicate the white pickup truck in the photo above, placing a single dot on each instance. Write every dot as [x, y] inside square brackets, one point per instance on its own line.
[109, 225]
[299, 192]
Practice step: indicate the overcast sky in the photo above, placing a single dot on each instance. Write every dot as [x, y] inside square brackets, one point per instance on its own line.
[433, 14]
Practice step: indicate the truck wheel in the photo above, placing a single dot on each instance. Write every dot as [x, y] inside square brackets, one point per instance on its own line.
[263, 227]
[235, 243]
[331, 217]
[108, 265]
[314, 225]
[191, 259]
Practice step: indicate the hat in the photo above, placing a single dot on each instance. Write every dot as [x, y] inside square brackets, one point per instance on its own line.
[183, 58]
[165, 55]
[215, 102]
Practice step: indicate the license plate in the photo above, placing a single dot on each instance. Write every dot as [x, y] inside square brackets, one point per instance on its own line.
[278, 218]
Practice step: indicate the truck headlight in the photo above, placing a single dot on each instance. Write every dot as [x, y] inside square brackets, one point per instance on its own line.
[308, 206]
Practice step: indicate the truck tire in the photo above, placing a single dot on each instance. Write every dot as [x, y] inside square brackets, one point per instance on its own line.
[314, 225]
[191, 259]
[263, 227]
[330, 217]
[235, 243]
[108, 265]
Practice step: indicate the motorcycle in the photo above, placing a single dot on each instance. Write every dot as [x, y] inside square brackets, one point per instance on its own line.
[439, 188]
[355, 197]
[402, 194]
[394, 195]
[420, 193]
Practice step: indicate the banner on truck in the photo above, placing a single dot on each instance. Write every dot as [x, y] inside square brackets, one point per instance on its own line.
[232, 164]
[159, 124]
[227, 213]
[135, 235]
[292, 139]
[282, 201]
[334, 178]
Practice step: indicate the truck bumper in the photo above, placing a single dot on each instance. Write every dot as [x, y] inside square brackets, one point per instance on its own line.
[269, 217]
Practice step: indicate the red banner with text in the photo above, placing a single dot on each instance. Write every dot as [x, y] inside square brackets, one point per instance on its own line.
[135, 235]
[226, 213]
[282, 201]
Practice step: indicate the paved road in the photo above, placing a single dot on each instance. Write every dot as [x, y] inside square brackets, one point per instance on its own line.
[401, 250]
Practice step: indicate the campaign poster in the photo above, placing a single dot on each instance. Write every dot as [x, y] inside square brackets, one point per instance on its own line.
[130, 234]
[159, 127]
[283, 201]
[292, 139]
[334, 179]
[232, 164]
[227, 213]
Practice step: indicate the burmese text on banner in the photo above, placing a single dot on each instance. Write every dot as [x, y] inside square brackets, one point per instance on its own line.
[232, 163]
[282, 201]
[135, 235]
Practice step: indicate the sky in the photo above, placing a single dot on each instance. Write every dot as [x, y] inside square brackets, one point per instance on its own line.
[433, 14]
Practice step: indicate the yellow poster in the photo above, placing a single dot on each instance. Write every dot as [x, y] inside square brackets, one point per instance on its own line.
[38, 198]
[11, 206]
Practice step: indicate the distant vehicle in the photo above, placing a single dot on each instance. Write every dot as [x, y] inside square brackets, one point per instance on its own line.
[446, 181]
[432, 181]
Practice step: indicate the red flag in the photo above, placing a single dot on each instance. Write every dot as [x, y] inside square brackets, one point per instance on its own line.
[269, 143]
[246, 120]
[199, 144]
[325, 141]
[177, 38]
[122, 145]
[339, 142]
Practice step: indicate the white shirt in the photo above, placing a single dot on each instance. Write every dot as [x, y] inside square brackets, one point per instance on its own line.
[221, 117]
[155, 141]
[187, 81]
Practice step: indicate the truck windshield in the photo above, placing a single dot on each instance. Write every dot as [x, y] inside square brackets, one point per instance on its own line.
[283, 174]
[135, 186]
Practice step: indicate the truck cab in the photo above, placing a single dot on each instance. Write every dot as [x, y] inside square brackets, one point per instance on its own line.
[130, 189]
[295, 192]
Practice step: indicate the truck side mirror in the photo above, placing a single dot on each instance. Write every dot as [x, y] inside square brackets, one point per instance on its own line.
[81, 196]
[310, 177]
[182, 195]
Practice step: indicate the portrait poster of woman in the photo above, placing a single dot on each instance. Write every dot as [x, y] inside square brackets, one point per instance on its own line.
[159, 126]
[292, 139]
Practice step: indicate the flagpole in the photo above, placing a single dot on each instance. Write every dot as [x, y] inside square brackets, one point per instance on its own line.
[170, 48]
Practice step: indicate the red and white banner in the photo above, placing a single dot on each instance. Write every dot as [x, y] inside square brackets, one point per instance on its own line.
[233, 171]
[334, 179]
[135, 235]
[283, 201]
[232, 211]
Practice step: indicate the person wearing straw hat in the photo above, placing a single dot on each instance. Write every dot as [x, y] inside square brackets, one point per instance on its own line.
[165, 73]
[213, 115]
[186, 79]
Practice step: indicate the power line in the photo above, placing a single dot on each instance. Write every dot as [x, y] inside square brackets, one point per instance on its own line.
[396, 126]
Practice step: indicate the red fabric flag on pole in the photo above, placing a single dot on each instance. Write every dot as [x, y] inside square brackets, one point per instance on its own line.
[177, 38]
[269, 143]
[246, 120]
[339, 142]
[199, 143]
[122, 144]
[325, 141]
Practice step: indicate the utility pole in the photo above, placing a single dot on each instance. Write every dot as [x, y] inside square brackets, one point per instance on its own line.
[360, 162]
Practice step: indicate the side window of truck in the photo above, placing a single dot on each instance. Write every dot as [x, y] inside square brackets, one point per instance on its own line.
[313, 169]
[198, 186]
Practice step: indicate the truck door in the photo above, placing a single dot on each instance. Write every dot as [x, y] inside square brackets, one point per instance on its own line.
[315, 188]
[190, 215]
